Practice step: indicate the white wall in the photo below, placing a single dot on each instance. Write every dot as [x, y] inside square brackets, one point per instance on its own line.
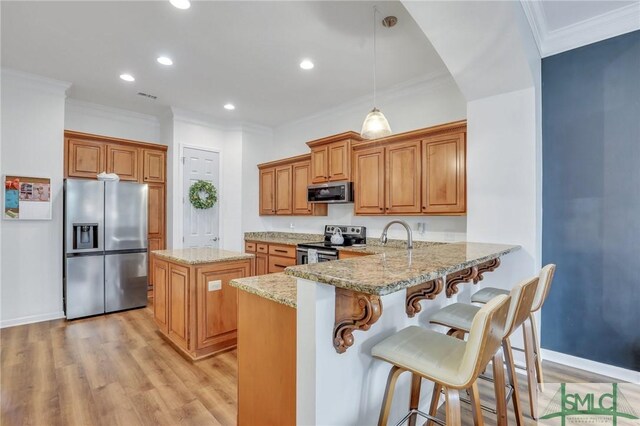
[257, 144]
[412, 106]
[193, 129]
[98, 119]
[32, 145]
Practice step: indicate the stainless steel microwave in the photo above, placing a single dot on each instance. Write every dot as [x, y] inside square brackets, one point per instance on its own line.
[332, 192]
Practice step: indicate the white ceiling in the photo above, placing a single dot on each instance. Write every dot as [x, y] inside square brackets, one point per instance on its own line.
[246, 53]
[559, 26]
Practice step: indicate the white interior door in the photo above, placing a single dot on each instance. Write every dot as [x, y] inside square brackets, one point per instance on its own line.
[201, 227]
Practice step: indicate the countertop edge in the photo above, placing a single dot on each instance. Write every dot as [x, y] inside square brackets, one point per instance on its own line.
[240, 256]
[398, 285]
[264, 294]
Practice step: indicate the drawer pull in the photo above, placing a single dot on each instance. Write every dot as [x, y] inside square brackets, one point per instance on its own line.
[280, 251]
[280, 266]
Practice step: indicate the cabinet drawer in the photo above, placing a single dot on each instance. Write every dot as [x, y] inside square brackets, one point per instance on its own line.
[262, 248]
[285, 251]
[249, 247]
[277, 263]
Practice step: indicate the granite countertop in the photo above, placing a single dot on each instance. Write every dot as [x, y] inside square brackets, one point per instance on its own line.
[288, 238]
[399, 269]
[201, 255]
[278, 287]
[374, 246]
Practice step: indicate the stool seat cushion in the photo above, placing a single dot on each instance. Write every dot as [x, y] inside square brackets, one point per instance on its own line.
[486, 294]
[433, 355]
[456, 315]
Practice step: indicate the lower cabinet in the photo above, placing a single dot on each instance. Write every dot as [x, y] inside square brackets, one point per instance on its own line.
[271, 258]
[194, 306]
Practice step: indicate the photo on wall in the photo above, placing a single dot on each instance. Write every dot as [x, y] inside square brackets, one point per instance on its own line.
[27, 198]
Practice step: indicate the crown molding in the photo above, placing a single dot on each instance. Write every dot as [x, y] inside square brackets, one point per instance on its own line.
[611, 24]
[200, 119]
[33, 81]
[422, 84]
[112, 113]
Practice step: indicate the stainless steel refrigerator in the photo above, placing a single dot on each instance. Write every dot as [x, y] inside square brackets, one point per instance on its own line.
[105, 247]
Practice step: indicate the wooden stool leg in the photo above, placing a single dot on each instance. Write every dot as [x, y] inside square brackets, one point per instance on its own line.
[500, 386]
[453, 407]
[513, 381]
[388, 394]
[536, 348]
[530, 357]
[435, 400]
[476, 409]
[414, 401]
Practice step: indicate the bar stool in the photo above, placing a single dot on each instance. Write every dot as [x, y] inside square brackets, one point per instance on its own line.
[459, 318]
[452, 364]
[530, 332]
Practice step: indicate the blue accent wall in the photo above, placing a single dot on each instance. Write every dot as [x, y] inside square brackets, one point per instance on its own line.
[591, 201]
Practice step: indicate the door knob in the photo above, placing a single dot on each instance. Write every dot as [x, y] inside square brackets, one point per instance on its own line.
[214, 239]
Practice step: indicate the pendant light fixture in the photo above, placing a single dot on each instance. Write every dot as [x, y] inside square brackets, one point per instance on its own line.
[375, 123]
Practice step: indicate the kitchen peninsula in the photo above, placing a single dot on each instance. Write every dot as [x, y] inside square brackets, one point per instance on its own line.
[338, 309]
[194, 306]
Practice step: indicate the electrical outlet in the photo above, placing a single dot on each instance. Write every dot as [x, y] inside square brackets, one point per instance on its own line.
[215, 285]
[292, 226]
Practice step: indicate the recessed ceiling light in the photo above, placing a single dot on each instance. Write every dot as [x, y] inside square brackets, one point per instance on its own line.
[164, 60]
[229, 107]
[306, 64]
[127, 77]
[181, 4]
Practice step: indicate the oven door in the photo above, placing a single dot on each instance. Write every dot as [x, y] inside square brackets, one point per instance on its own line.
[302, 256]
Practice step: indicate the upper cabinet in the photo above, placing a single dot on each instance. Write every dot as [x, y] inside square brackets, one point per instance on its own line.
[444, 174]
[331, 157]
[422, 172]
[283, 188]
[154, 166]
[123, 161]
[85, 158]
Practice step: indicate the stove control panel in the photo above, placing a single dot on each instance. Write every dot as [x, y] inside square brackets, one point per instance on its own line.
[355, 231]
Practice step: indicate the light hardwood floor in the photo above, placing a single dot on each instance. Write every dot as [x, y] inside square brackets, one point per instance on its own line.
[116, 370]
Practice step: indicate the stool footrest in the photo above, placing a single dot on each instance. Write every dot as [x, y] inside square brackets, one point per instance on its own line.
[422, 414]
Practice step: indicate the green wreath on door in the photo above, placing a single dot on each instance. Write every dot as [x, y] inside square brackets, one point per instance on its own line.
[203, 195]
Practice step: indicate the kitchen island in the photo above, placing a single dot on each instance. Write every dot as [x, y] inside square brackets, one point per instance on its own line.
[194, 306]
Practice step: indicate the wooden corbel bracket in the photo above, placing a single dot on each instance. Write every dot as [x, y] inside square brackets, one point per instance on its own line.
[354, 311]
[415, 294]
[460, 277]
[489, 266]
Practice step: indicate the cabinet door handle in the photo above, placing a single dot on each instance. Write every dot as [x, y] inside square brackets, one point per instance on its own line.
[279, 266]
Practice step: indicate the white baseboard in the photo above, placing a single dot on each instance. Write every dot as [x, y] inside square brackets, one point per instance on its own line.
[31, 319]
[618, 373]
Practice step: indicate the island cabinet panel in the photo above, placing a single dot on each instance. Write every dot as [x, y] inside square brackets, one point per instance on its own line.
[160, 276]
[444, 175]
[123, 161]
[266, 370]
[320, 164]
[154, 166]
[85, 159]
[179, 306]
[339, 159]
[268, 191]
[217, 305]
[369, 181]
[403, 171]
[283, 190]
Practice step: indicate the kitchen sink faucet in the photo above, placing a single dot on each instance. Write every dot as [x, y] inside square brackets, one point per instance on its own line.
[383, 237]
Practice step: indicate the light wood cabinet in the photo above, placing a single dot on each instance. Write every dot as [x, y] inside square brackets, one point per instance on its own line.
[160, 275]
[262, 264]
[283, 188]
[123, 161]
[342, 254]
[444, 175]
[284, 199]
[154, 166]
[268, 191]
[279, 263]
[369, 181]
[271, 258]
[156, 212]
[331, 157]
[84, 158]
[199, 320]
[422, 172]
[402, 178]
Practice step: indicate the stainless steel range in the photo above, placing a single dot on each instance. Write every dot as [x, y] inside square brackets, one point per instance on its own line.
[324, 251]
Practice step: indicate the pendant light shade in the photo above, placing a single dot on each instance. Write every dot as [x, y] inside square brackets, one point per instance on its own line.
[375, 125]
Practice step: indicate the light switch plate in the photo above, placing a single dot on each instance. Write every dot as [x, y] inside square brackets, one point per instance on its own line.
[215, 285]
